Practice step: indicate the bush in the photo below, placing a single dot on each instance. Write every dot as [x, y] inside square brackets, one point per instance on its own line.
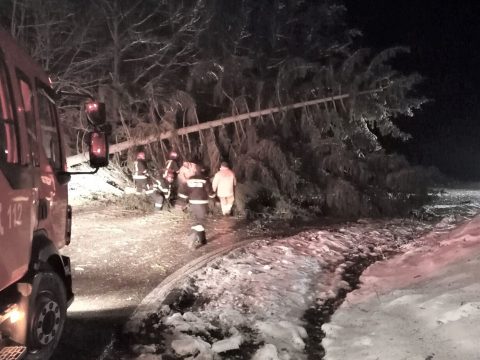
[135, 202]
[343, 199]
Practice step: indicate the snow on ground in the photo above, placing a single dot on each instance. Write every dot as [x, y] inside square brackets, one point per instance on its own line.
[83, 188]
[464, 201]
[424, 304]
[254, 303]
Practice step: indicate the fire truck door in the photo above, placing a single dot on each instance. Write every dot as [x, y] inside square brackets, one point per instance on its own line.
[51, 191]
[17, 204]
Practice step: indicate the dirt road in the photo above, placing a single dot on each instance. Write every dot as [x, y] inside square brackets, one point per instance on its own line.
[118, 257]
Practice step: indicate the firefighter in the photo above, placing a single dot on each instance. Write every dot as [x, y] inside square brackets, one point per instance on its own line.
[171, 170]
[162, 190]
[199, 192]
[140, 172]
[187, 170]
[223, 185]
[171, 165]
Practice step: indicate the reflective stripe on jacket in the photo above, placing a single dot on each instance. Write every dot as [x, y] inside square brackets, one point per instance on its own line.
[198, 202]
[140, 169]
[170, 167]
[164, 186]
[139, 177]
[198, 190]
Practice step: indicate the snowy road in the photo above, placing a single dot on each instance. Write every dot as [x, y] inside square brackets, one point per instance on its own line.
[118, 257]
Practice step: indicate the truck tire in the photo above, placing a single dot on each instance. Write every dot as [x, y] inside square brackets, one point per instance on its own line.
[47, 314]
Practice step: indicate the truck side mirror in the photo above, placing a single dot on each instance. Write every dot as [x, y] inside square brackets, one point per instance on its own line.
[96, 112]
[98, 149]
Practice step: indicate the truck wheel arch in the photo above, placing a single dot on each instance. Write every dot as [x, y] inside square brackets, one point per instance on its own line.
[45, 257]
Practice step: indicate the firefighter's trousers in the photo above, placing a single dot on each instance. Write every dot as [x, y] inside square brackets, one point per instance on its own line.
[158, 199]
[226, 202]
[199, 213]
[140, 184]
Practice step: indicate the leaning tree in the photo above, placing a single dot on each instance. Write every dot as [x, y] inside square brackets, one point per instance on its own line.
[166, 65]
[327, 156]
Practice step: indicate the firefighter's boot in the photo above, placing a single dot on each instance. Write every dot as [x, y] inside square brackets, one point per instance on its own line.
[197, 237]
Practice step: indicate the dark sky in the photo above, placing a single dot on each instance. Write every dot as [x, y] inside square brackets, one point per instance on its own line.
[444, 38]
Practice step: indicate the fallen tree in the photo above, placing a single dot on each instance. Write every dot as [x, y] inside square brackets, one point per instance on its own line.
[125, 145]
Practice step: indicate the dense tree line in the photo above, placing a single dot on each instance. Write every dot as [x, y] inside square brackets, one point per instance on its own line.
[165, 64]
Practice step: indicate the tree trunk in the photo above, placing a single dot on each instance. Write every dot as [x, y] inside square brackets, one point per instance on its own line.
[80, 158]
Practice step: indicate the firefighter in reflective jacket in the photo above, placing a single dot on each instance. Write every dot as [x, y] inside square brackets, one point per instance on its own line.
[171, 165]
[199, 192]
[187, 170]
[140, 172]
[161, 191]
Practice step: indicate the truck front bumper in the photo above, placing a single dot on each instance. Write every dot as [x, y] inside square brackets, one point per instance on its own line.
[13, 352]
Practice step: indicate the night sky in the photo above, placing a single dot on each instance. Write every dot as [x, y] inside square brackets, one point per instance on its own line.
[444, 38]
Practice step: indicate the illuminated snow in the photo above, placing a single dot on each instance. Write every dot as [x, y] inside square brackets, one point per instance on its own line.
[419, 305]
[263, 290]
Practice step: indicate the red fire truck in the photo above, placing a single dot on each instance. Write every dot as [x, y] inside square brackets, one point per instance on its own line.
[35, 218]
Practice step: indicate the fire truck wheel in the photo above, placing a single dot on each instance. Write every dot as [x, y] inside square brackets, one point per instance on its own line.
[47, 315]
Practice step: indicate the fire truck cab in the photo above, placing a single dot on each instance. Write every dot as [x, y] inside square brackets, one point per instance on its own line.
[35, 218]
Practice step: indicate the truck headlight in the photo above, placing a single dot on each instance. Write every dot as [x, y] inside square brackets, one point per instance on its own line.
[12, 313]
[16, 315]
